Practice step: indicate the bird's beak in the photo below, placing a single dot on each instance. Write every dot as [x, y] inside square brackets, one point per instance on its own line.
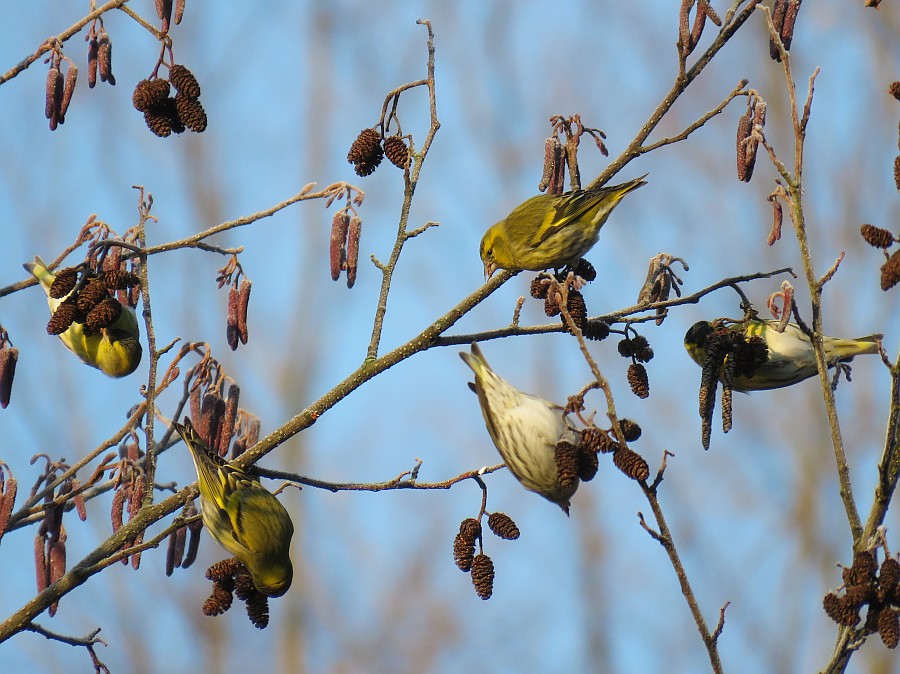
[489, 269]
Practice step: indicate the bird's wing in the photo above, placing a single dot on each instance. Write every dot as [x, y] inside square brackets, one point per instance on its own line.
[568, 210]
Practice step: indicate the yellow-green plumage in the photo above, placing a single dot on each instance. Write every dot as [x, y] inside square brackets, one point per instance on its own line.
[242, 516]
[791, 355]
[550, 231]
[115, 350]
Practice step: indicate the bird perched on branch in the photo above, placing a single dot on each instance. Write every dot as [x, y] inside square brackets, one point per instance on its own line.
[114, 349]
[791, 357]
[525, 429]
[550, 231]
[242, 516]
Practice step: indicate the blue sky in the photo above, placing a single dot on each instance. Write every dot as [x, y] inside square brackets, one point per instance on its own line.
[287, 86]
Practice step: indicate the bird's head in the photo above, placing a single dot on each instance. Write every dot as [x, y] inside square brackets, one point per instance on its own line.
[273, 580]
[695, 340]
[119, 354]
[494, 250]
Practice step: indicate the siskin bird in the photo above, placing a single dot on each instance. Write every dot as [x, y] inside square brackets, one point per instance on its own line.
[791, 357]
[242, 516]
[550, 231]
[525, 429]
[114, 350]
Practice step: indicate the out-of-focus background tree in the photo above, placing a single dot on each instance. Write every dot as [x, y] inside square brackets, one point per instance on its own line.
[287, 86]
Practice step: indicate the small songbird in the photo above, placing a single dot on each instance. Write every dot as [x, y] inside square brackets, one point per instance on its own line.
[242, 516]
[114, 350]
[791, 357]
[525, 429]
[550, 231]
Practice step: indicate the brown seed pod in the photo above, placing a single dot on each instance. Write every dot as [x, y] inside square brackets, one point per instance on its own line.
[243, 306]
[502, 525]
[41, 568]
[231, 331]
[68, 90]
[149, 95]
[577, 309]
[483, 576]
[9, 356]
[366, 153]
[53, 94]
[104, 59]
[184, 81]
[538, 288]
[863, 569]
[839, 611]
[119, 279]
[212, 411]
[897, 172]
[244, 588]
[224, 570]
[190, 556]
[889, 627]
[194, 402]
[552, 152]
[164, 13]
[65, 314]
[63, 283]
[790, 18]
[191, 113]
[630, 429]
[136, 557]
[91, 294]
[638, 380]
[179, 11]
[226, 429]
[463, 552]
[779, 10]
[745, 161]
[894, 90]
[470, 529]
[876, 236]
[160, 124]
[58, 556]
[551, 305]
[8, 488]
[133, 294]
[396, 151]
[597, 440]
[888, 578]
[353, 249]
[777, 220]
[219, 601]
[588, 463]
[699, 23]
[93, 51]
[890, 271]
[566, 464]
[118, 507]
[78, 499]
[104, 314]
[632, 464]
[596, 329]
[258, 610]
[175, 550]
[337, 247]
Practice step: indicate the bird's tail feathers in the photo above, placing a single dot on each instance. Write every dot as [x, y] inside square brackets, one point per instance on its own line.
[39, 270]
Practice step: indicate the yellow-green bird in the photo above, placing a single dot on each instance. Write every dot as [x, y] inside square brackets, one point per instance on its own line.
[525, 430]
[242, 516]
[791, 357]
[115, 350]
[550, 231]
